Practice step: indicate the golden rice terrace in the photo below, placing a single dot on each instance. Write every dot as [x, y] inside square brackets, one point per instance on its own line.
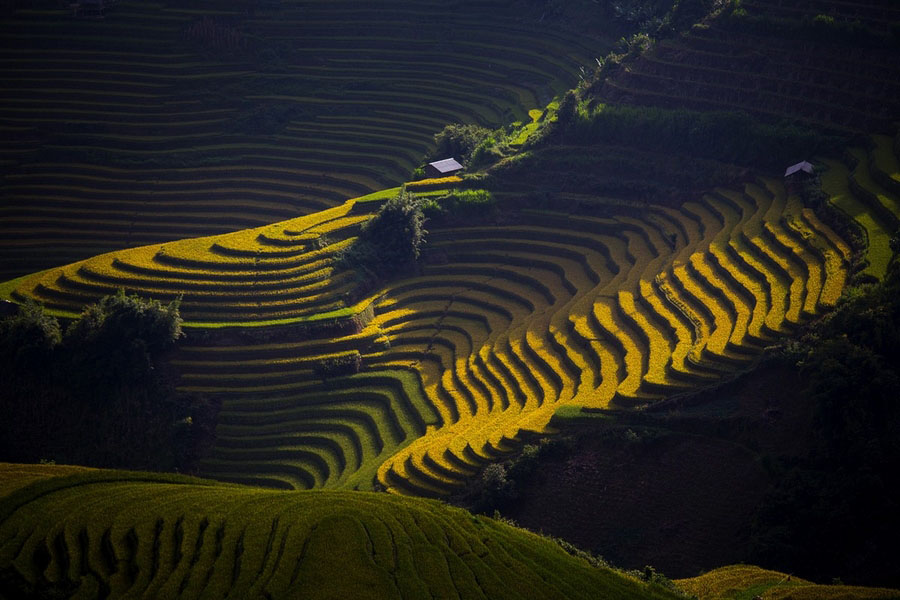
[505, 324]
[136, 151]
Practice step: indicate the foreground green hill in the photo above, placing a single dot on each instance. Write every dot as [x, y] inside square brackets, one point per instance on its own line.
[131, 535]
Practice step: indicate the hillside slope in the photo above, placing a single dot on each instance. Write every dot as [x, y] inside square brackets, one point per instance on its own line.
[827, 64]
[744, 581]
[129, 535]
[558, 308]
[166, 120]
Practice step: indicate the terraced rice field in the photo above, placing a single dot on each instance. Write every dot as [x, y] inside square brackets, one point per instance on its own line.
[140, 535]
[505, 325]
[773, 74]
[511, 322]
[865, 189]
[294, 432]
[144, 127]
[277, 273]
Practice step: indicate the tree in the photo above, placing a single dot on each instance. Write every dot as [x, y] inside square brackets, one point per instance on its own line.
[99, 395]
[138, 329]
[390, 242]
[565, 114]
[28, 339]
[459, 141]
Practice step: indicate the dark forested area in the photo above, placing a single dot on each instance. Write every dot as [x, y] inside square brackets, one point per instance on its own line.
[835, 513]
[97, 392]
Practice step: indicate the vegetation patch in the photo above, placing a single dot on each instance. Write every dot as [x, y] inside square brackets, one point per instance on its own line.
[97, 393]
[389, 243]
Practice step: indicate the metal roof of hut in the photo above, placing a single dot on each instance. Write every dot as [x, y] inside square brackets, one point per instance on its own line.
[804, 166]
[447, 166]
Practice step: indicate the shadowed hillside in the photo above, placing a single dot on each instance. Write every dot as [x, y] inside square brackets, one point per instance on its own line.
[167, 120]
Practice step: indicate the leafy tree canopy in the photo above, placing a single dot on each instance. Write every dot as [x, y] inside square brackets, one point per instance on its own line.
[390, 242]
[459, 141]
[97, 394]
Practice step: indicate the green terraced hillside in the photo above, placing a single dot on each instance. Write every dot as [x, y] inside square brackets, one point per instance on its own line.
[130, 535]
[164, 121]
[772, 60]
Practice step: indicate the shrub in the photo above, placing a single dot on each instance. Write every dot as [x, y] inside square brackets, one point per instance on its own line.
[490, 150]
[27, 340]
[335, 366]
[390, 242]
[565, 114]
[460, 203]
[98, 395]
[497, 489]
[459, 141]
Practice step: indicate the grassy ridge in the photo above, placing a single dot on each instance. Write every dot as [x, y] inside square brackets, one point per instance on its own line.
[121, 534]
[743, 581]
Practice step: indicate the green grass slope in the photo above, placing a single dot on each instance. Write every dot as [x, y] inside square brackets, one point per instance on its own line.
[131, 535]
[737, 582]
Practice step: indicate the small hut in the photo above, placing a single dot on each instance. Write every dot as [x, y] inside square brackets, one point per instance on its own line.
[796, 175]
[443, 168]
[801, 170]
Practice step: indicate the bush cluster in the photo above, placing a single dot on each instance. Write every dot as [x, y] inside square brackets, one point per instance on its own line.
[460, 204]
[97, 393]
[335, 366]
[458, 141]
[499, 484]
[473, 145]
[389, 243]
